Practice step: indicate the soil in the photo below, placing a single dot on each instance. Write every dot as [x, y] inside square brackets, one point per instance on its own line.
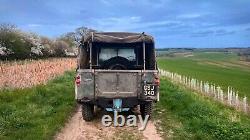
[78, 129]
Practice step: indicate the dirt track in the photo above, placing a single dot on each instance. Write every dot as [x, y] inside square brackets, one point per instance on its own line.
[78, 129]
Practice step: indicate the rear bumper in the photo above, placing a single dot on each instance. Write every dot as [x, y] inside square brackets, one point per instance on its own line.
[127, 102]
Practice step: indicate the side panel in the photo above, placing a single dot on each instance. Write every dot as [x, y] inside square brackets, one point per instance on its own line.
[86, 88]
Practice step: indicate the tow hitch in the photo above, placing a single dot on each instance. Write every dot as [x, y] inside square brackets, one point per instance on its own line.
[117, 106]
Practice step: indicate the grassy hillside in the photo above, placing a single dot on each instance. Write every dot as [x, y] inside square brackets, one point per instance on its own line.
[38, 112]
[185, 115]
[219, 68]
[216, 56]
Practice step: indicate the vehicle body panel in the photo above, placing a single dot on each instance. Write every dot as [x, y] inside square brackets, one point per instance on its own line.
[86, 89]
[114, 84]
[117, 83]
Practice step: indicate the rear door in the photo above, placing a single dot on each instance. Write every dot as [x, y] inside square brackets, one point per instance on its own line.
[117, 83]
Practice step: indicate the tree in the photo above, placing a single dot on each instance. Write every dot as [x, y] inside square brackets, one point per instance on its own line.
[81, 32]
[244, 54]
[59, 48]
[69, 38]
[14, 45]
[6, 27]
[47, 44]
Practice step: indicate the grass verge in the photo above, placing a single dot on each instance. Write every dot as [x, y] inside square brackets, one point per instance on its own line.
[37, 112]
[186, 115]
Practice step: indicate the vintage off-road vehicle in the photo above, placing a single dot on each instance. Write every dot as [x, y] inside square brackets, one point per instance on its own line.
[116, 71]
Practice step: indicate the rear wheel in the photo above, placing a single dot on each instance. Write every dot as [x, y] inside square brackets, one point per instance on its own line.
[87, 111]
[146, 109]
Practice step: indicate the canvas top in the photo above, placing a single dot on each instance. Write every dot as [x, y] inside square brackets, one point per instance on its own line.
[117, 37]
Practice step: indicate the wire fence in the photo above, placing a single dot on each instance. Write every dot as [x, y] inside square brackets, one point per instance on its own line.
[229, 97]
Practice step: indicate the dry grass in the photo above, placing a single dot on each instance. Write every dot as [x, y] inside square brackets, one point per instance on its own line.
[28, 73]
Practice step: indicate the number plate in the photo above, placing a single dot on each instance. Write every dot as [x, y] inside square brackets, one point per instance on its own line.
[149, 90]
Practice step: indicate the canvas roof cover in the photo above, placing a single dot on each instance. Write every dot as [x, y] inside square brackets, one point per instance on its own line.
[118, 37]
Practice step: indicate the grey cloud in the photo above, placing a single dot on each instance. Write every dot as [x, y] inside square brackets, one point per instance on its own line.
[221, 32]
[202, 33]
[218, 32]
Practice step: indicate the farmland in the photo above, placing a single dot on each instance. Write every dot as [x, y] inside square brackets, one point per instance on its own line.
[21, 74]
[220, 68]
[186, 115]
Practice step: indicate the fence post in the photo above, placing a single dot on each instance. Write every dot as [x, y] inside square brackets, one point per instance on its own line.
[245, 104]
[201, 86]
[237, 100]
[222, 96]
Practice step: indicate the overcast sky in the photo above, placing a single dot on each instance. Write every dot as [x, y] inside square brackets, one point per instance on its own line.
[173, 23]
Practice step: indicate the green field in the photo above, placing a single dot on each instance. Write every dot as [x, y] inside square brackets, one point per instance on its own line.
[38, 112]
[185, 115]
[221, 68]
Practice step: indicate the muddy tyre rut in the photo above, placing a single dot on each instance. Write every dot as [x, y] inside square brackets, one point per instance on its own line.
[78, 129]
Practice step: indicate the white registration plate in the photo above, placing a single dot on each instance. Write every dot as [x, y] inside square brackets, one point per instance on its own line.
[149, 90]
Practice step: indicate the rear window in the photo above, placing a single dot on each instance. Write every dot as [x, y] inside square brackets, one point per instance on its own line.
[107, 53]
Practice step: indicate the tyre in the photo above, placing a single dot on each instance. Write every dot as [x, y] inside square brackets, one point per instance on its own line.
[116, 63]
[146, 109]
[87, 111]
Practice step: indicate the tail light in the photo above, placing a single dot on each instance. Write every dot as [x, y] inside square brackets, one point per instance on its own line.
[157, 80]
[78, 80]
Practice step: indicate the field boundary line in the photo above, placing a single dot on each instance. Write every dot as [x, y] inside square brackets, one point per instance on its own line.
[229, 97]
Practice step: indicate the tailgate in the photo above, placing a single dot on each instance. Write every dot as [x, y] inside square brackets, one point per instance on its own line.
[117, 83]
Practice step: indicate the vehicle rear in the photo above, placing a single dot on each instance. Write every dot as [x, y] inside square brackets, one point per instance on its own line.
[117, 72]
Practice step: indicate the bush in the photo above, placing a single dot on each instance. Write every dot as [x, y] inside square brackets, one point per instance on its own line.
[46, 50]
[14, 45]
[59, 48]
